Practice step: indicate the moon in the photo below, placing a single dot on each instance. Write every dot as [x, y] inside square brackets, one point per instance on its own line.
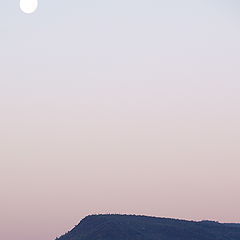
[28, 6]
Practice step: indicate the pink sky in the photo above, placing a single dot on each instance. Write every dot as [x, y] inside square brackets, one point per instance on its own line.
[128, 107]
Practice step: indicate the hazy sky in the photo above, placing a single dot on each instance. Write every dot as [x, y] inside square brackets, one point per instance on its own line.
[127, 106]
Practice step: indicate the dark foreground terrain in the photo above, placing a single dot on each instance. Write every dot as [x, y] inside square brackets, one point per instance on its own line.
[125, 227]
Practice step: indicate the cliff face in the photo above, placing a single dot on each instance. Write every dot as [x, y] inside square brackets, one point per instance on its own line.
[131, 227]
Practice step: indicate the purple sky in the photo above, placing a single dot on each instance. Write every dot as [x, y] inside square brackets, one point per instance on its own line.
[118, 107]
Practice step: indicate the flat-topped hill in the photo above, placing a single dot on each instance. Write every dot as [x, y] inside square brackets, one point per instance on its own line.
[131, 227]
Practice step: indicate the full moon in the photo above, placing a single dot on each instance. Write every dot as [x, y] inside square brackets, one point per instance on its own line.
[28, 6]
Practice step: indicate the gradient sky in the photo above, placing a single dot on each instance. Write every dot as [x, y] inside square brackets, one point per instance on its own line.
[127, 106]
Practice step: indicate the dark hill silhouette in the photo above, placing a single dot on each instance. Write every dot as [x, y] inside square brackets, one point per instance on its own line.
[131, 227]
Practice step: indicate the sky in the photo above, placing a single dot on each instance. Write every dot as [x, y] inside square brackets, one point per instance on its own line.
[125, 106]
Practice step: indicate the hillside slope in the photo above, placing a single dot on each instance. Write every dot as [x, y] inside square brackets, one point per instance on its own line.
[131, 227]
